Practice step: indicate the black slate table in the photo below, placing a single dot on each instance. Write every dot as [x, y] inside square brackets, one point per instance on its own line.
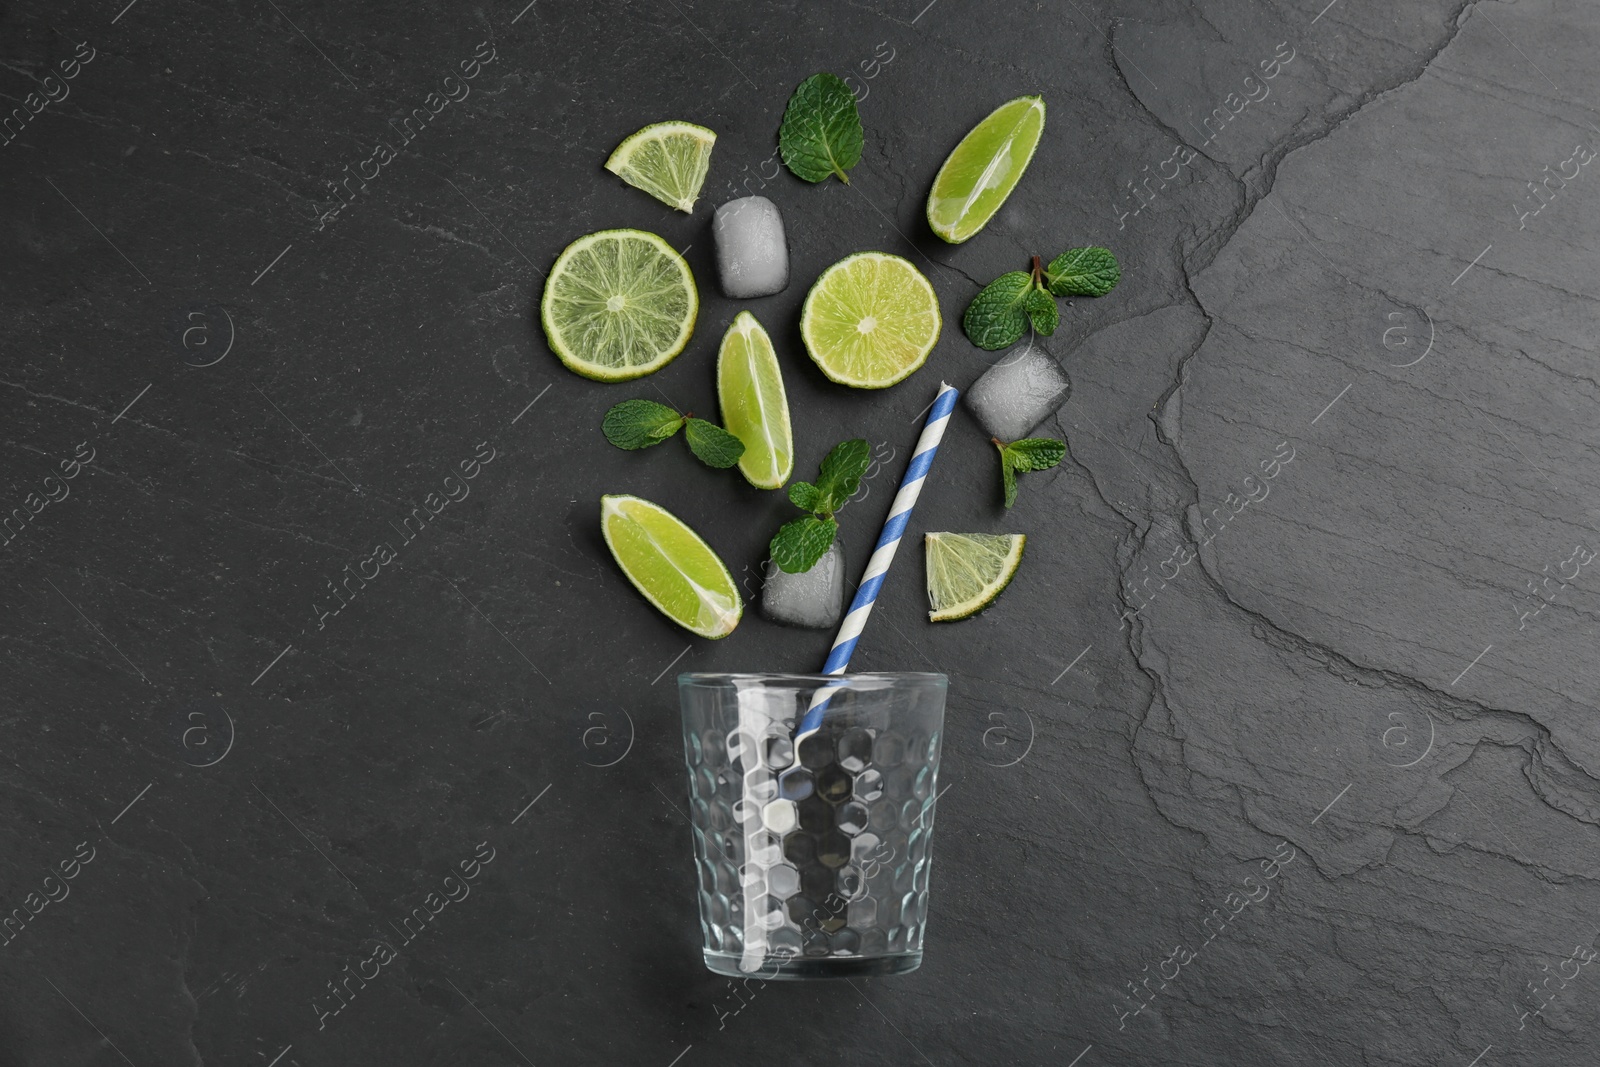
[1281, 750]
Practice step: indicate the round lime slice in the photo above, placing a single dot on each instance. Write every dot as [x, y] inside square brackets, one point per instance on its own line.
[967, 571]
[870, 320]
[983, 169]
[618, 304]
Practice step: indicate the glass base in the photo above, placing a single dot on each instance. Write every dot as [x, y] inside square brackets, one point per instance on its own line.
[800, 969]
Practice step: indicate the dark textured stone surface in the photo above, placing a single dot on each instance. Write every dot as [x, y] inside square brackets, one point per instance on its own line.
[1350, 265]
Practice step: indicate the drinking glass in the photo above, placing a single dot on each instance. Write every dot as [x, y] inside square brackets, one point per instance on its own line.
[812, 864]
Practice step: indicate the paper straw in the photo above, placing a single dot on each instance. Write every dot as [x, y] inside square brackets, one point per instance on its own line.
[893, 529]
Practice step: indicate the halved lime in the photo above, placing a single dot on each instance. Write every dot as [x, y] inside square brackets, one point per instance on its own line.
[670, 565]
[668, 160]
[870, 320]
[967, 571]
[983, 169]
[618, 304]
[755, 408]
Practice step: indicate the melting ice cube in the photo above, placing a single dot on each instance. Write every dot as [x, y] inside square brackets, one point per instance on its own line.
[1018, 393]
[752, 256]
[813, 598]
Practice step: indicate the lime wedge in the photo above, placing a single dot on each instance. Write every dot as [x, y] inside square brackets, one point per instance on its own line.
[670, 565]
[870, 320]
[618, 304]
[755, 408]
[967, 571]
[978, 176]
[668, 160]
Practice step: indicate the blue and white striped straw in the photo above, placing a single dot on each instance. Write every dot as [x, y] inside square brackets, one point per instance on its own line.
[893, 529]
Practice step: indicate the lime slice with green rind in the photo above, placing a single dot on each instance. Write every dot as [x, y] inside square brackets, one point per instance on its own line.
[967, 571]
[755, 407]
[669, 563]
[668, 160]
[870, 320]
[618, 304]
[983, 169]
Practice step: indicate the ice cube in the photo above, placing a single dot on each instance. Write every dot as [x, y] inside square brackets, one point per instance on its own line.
[1018, 393]
[813, 599]
[752, 256]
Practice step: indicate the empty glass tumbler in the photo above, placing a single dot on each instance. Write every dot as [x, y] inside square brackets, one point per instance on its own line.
[812, 864]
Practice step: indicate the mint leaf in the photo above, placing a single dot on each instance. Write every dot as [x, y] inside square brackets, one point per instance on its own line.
[841, 473]
[799, 544]
[639, 424]
[1008, 474]
[714, 446]
[1037, 453]
[996, 318]
[804, 496]
[821, 131]
[1042, 311]
[1083, 272]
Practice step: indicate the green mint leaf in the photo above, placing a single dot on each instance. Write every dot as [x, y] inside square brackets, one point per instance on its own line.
[1037, 453]
[799, 544]
[1083, 272]
[1008, 473]
[639, 424]
[804, 496]
[1042, 312]
[841, 472]
[996, 317]
[714, 446]
[821, 131]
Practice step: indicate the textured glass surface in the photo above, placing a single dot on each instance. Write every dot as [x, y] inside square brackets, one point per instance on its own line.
[812, 860]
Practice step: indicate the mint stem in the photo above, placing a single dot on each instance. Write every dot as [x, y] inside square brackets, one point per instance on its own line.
[1038, 278]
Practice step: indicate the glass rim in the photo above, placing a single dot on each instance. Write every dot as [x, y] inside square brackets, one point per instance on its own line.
[711, 679]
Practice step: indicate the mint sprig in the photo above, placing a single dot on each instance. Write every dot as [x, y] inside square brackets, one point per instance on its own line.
[639, 423]
[801, 542]
[821, 130]
[1028, 454]
[1004, 309]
